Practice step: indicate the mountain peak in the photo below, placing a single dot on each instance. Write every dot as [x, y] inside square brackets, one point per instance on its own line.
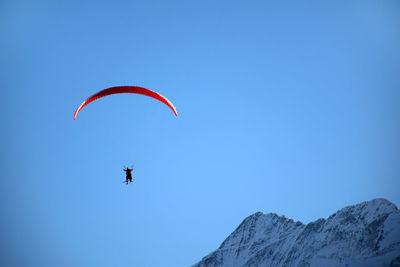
[372, 208]
[367, 234]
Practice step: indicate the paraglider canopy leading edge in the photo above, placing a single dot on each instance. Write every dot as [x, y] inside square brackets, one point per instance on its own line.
[126, 89]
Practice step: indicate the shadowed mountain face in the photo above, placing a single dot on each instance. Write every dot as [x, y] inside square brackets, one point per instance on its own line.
[367, 234]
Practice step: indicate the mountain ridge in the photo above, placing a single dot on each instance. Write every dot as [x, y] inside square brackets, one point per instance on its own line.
[365, 234]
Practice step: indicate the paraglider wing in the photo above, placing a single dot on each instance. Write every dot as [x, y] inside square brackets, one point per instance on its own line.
[126, 89]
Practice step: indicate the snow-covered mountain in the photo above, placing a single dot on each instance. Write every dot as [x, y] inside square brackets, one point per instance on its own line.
[367, 234]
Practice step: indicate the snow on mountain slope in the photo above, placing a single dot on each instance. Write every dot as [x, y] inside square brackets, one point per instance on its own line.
[366, 234]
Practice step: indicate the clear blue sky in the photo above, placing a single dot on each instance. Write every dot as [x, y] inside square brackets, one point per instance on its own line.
[291, 108]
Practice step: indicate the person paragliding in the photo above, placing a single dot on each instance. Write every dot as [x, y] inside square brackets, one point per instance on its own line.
[130, 90]
[128, 173]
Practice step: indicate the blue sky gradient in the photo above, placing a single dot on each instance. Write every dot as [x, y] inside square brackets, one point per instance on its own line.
[284, 107]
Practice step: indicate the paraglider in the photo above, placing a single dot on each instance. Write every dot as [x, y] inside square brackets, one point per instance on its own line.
[128, 173]
[126, 89]
[132, 90]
